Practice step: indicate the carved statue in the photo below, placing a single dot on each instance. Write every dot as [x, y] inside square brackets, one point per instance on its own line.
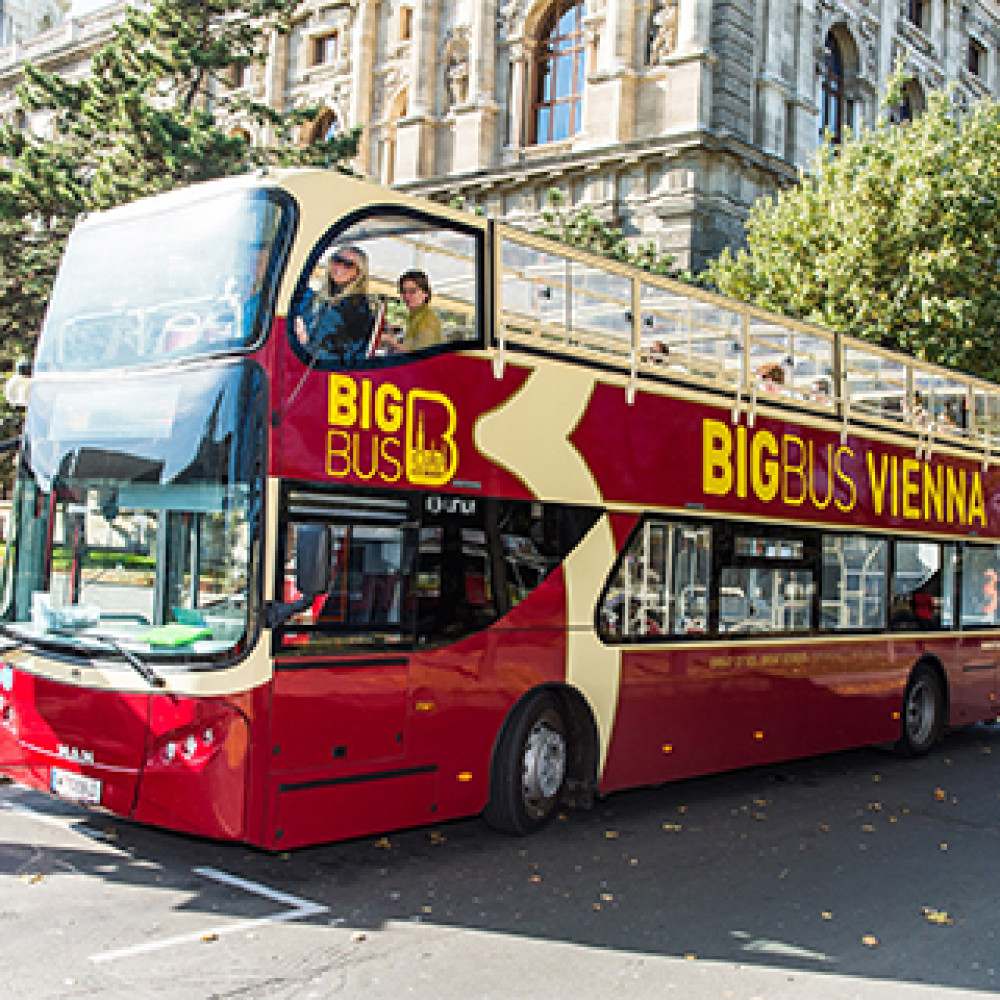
[457, 66]
[662, 32]
[458, 81]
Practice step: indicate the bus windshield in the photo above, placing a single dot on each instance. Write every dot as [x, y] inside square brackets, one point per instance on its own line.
[136, 513]
[139, 287]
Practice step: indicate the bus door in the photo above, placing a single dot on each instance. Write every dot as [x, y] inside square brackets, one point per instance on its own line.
[339, 712]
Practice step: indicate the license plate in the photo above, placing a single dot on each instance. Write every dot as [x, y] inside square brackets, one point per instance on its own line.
[78, 787]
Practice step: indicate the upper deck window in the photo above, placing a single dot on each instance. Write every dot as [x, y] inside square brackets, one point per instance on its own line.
[184, 278]
[386, 284]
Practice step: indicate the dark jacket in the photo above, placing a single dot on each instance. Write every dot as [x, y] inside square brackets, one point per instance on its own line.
[339, 330]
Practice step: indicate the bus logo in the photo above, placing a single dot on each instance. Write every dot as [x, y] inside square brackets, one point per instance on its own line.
[379, 432]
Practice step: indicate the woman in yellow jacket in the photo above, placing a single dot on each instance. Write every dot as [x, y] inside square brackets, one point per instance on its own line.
[423, 325]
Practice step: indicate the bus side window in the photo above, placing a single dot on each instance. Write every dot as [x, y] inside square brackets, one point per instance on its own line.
[980, 586]
[853, 583]
[661, 584]
[923, 586]
[418, 286]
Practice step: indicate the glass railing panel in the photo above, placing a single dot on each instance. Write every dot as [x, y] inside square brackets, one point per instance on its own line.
[875, 384]
[600, 310]
[941, 401]
[690, 336]
[533, 287]
[986, 417]
[769, 355]
[810, 370]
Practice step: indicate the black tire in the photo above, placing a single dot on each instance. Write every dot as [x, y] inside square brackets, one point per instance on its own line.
[529, 767]
[923, 712]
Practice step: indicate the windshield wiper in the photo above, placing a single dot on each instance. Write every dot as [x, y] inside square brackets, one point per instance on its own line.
[146, 672]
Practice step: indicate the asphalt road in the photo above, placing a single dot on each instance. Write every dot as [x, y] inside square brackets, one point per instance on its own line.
[853, 875]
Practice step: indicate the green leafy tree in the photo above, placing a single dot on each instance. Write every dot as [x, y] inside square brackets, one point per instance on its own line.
[583, 228]
[157, 111]
[893, 237]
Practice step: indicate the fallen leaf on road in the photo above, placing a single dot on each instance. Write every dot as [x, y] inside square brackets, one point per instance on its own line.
[611, 834]
[936, 916]
[826, 915]
[358, 936]
[383, 844]
[210, 937]
[870, 941]
[672, 827]
[940, 795]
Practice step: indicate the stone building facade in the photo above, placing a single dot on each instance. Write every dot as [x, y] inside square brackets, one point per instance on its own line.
[21, 20]
[666, 117]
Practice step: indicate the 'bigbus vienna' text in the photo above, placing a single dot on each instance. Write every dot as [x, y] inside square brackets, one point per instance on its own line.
[789, 470]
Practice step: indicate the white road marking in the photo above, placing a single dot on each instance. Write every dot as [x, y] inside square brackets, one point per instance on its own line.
[299, 908]
[763, 946]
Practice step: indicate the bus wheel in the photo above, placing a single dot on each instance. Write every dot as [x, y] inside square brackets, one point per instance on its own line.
[923, 712]
[529, 768]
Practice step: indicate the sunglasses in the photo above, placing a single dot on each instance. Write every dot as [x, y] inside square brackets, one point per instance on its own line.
[343, 261]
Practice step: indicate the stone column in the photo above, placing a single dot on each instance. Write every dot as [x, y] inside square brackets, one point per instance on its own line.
[482, 71]
[805, 109]
[364, 38]
[693, 26]
[521, 52]
[474, 120]
[772, 86]
[415, 132]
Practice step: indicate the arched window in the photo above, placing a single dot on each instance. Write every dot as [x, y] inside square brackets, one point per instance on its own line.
[557, 109]
[325, 127]
[831, 111]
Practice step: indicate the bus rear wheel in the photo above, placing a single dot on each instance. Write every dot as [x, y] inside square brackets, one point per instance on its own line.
[923, 712]
[529, 767]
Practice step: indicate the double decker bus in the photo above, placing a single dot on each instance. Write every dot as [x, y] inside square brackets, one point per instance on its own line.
[606, 530]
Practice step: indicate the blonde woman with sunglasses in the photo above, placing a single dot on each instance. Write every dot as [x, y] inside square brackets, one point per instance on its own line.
[335, 323]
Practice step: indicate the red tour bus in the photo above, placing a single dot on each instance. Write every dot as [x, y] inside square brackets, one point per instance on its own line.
[291, 563]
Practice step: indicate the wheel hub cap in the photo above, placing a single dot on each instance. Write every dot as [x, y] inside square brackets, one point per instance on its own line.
[544, 763]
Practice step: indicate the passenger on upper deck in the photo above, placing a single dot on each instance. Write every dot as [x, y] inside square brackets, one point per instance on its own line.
[771, 376]
[423, 325]
[335, 323]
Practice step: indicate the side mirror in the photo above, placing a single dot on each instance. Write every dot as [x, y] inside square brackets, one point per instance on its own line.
[312, 559]
[312, 573]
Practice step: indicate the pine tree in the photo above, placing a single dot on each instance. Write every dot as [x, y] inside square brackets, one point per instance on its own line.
[157, 111]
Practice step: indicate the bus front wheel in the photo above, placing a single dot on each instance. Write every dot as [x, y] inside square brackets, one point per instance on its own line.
[923, 712]
[529, 767]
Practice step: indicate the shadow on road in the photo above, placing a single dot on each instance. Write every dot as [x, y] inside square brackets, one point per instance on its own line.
[859, 864]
